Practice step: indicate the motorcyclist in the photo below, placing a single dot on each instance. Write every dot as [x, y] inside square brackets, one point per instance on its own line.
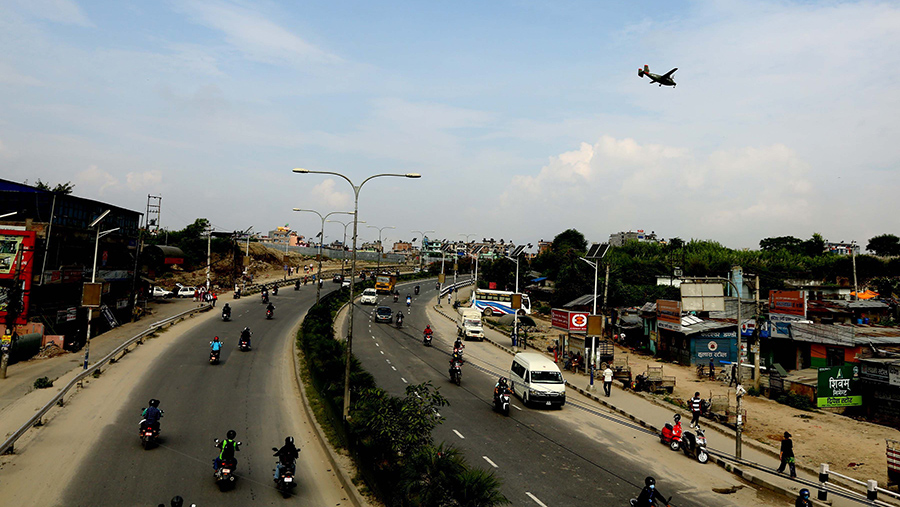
[264, 295]
[399, 318]
[649, 495]
[297, 285]
[458, 345]
[287, 455]
[274, 290]
[245, 335]
[271, 308]
[396, 297]
[215, 345]
[152, 414]
[676, 428]
[428, 332]
[417, 290]
[228, 448]
[803, 499]
[502, 387]
[226, 311]
[408, 300]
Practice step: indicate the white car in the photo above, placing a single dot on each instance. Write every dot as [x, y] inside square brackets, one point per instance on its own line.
[159, 292]
[369, 297]
[184, 291]
[345, 283]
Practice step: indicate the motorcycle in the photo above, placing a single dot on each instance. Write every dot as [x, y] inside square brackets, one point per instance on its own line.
[417, 290]
[236, 294]
[149, 433]
[634, 503]
[214, 357]
[275, 290]
[265, 298]
[225, 473]
[640, 383]
[297, 285]
[501, 402]
[456, 374]
[426, 340]
[399, 322]
[396, 297]
[458, 351]
[695, 446]
[269, 314]
[285, 481]
[668, 437]
[244, 345]
[226, 316]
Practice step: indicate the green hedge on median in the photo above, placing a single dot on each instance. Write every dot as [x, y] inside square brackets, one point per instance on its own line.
[390, 437]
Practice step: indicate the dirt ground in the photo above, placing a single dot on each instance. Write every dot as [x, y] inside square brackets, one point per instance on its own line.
[850, 447]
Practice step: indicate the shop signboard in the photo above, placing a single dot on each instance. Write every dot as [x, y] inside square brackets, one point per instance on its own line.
[838, 386]
[875, 373]
[668, 314]
[16, 266]
[894, 374]
[572, 322]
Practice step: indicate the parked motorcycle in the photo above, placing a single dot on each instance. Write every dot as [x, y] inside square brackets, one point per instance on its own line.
[501, 402]
[285, 481]
[214, 357]
[640, 383]
[669, 437]
[694, 446]
[456, 374]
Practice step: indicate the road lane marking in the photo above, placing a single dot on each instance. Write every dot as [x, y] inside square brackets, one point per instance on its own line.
[491, 462]
[515, 407]
[381, 351]
[542, 504]
[377, 345]
[393, 367]
[462, 437]
[404, 380]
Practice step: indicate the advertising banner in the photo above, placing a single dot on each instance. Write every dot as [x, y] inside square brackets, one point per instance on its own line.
[572, 322]
[717, 349]
[668, 314]
[788, 302]
[838, 386]
[16, 266]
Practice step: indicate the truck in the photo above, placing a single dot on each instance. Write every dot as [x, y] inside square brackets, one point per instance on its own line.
[384, 283]
[468, 324]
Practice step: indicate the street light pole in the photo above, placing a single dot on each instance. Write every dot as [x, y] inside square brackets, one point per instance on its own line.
[344, 245]
[422, 248]
[356, 190]
[87, 340]
[321, 241]
[380, 245]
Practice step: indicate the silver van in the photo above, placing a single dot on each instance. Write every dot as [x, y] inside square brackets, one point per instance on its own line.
[537, 380]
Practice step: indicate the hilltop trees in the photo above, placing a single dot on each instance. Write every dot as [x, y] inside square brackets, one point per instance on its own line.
[886, 245]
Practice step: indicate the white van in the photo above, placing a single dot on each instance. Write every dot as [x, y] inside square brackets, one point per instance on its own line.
[537, 380]
[369, 297]
[468, 324]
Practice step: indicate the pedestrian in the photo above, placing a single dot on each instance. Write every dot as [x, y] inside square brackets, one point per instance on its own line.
[449, 294]
[733, 378]
[696, 405]
[712, 369]
[607, 380]
[215, 298]
[787, 455]
[196, 295]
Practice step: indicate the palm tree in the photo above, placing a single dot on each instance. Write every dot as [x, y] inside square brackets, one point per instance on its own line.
[429, 476]
[478, 488]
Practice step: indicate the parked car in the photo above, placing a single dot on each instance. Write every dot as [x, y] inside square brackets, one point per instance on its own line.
[384, 314]
[345, 283]
[369, 297]
[159, 292]
[337, 278]
[184, 291]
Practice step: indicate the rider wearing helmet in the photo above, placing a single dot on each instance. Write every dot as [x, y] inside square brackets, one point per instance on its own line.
[649, 495]
[245, 335]
[399, 317]
[501, 387]
[152, 414]
[226, 310]
[408, 300]
[228, 448]
[676, 429]
[428, 332]
[287, 455]
[803, 499]
[177, 501]
[215, 345]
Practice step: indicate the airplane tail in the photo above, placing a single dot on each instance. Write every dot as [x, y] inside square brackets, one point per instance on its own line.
[643, 71]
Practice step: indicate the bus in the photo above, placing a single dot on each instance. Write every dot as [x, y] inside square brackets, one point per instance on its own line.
[497, 302]
[384, 283]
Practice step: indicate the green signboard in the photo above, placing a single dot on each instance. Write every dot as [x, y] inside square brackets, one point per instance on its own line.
[839, 386]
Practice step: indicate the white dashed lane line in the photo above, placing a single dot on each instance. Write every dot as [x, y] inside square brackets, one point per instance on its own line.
[542, 504]
[491, 462]
[393, 367]
[404, 380]
[381, 351]
[515, 407]
[460, 436]
[377, 345]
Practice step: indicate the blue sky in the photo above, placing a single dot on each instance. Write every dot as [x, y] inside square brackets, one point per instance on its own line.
[523, 117]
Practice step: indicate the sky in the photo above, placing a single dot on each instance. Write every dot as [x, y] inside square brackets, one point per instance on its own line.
[524, 117]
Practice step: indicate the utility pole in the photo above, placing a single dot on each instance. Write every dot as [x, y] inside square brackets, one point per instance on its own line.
[756, 333]
[209, 230]
[853, 256]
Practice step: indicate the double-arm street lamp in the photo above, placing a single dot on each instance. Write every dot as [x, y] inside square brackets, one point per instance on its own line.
[475, 255]
[95, 223]
[422, 247]
[356, 189]
[321, 242]
[380, 245]
[344, 244]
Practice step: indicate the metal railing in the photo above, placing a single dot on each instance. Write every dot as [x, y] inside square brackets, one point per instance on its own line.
[456, 285]
[112, 357]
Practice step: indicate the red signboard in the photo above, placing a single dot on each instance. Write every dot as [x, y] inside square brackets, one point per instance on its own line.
[668, 314]
[573, 322]
[16, 266]
[788, 302]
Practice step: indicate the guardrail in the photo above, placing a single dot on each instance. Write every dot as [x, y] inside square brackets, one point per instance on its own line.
[871, 486]
[253, 288]
[7, 445]
[456, 285]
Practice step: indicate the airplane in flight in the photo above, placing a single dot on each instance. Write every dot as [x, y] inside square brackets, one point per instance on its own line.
[662, 80]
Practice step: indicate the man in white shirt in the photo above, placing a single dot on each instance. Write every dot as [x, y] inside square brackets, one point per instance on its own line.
[607, 380]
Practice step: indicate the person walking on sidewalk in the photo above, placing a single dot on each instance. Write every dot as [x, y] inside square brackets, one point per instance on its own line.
[696, 405]
[733, 379]
[787, 455]
[607, 380]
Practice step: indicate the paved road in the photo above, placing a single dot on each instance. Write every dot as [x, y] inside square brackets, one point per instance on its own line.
[580, 455]
[252, 392]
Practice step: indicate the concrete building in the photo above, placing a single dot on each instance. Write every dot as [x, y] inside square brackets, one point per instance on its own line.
[620, 238]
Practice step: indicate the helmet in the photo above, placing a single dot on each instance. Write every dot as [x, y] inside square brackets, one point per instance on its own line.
[428, 326]
[289, 441]
[650, 481]
[216, 339]
[177, 501]
[502, 381]
[677, 417]
[231, 434]
[804, 493]
[247, 329]
[153, 402]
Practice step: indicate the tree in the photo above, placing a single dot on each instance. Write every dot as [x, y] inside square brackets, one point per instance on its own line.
[61, 188]
[788, 243]
[401, 425]
[885, 245]
[569, 239]
[814, 246]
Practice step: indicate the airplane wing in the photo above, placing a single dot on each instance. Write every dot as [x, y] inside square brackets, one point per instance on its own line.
[669, 74]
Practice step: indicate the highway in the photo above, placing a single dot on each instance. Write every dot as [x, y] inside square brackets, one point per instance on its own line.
[579, 456]
[252, 392]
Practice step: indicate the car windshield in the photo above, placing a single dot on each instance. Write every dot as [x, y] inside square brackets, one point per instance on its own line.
[385, 311]
[546, 377]
[369, 292]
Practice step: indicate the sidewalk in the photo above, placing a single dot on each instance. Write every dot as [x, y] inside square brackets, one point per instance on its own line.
[652, 413]
[21, 376]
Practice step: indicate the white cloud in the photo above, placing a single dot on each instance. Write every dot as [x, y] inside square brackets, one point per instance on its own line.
[9, 75]
[326, 193]
[138, 181]
[256, 36]
[58, 11]
[96, 179]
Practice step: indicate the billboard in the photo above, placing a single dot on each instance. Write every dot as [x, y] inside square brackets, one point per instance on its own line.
[785, 306]
[573, 322]
[838, 386]
[668, 314]
[16, 266]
